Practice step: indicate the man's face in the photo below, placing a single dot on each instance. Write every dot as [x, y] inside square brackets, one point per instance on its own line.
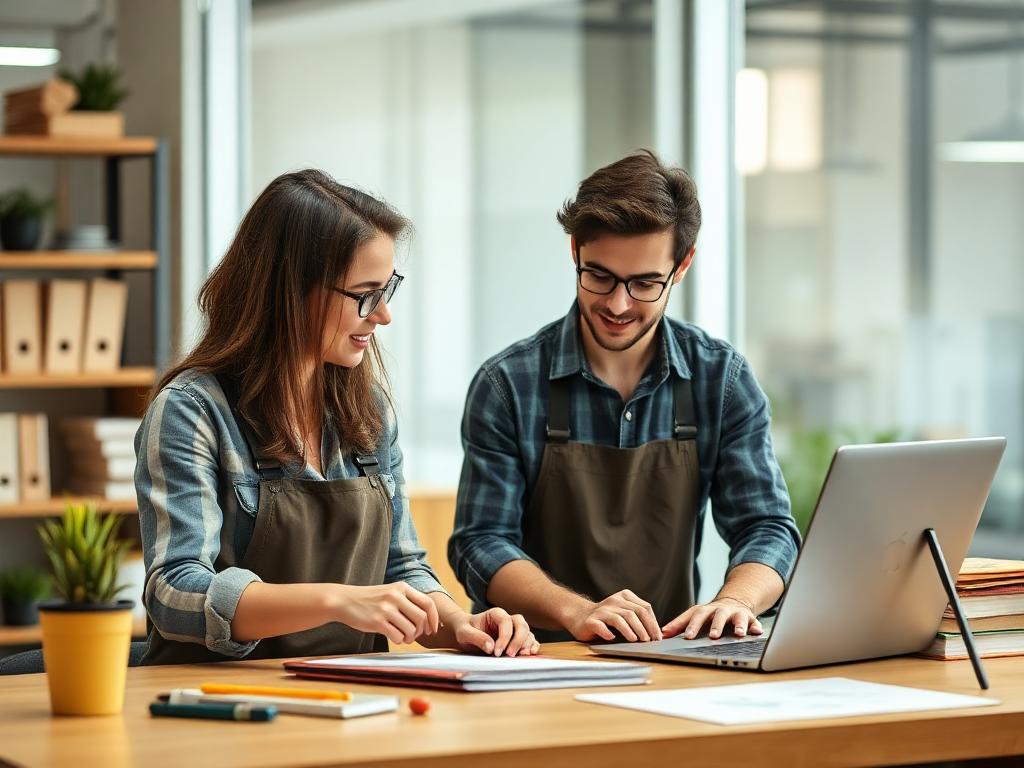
[617, 321]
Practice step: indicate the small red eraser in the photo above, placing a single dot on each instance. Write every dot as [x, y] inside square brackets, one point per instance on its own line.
[419, 706]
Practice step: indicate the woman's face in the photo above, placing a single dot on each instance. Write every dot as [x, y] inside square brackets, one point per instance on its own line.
[346, 334]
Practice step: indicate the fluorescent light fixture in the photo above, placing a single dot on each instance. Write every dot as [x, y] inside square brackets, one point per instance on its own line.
[751, 121]
[11, 56]
[795, 129]
[1002, 144]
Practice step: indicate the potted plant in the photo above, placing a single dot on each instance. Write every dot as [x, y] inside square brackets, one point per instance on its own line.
[87, 632]
[99, 89]
[21, 219]
[20, 590]
[99, 95]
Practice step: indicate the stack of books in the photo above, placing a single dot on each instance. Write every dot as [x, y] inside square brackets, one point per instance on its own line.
[991, 593]
[102, 454]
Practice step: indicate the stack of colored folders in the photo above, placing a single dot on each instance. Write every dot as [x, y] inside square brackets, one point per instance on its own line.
[992, 595]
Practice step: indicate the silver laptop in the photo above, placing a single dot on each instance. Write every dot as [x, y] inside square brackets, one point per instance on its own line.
[864, 584]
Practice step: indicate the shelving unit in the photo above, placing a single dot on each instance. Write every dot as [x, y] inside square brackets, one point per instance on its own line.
[75, 260]
[33, 635]
[112, 264]
[125, 377]
[55, 506]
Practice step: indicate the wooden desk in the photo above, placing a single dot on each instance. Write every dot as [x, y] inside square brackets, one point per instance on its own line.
[526, 729]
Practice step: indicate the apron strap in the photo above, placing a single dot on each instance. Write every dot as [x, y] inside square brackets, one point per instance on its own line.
[263, 461]
[685, 420]
[558, 411]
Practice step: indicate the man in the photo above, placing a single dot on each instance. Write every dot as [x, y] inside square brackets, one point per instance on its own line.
[593, 447]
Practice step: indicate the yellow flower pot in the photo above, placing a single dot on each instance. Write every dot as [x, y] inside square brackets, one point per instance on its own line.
[85, 651]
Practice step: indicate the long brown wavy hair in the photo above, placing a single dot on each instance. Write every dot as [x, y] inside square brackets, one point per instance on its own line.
[301, 234]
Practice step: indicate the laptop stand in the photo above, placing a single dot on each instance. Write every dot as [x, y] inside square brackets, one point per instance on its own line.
[954, 601]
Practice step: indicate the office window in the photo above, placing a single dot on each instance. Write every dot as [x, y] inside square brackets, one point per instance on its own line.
[882, 269]
[477, 124]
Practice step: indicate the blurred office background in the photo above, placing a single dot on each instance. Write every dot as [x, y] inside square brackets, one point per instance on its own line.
[862, 245]
[860, 164]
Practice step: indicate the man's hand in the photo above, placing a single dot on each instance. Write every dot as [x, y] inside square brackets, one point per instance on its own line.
[623, 612]
[720, 611]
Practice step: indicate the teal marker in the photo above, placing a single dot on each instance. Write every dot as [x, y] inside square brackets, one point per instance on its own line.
[257, 713]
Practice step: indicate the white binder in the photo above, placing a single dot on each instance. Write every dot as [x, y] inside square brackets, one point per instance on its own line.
[65, 318]
[22, 326]
[33, 457]
[104, 326]
[9, 485]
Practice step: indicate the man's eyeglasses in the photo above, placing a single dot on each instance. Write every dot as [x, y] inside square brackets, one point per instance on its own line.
[602, 283]
[368, 300]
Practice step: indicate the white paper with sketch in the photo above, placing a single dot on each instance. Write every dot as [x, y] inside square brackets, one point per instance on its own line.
[785, 700]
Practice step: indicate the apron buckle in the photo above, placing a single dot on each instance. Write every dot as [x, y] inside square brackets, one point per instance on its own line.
[558, 435]
[368, 463]
[685, 432]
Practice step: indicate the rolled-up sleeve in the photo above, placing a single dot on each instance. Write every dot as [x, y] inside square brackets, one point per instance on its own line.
[749, 501]
[181, 520]
[489, 508]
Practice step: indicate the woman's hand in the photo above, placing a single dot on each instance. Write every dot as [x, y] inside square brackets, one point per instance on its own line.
[494, 632]
[397, 611]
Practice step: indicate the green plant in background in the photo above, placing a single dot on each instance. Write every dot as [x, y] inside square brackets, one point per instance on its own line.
[20, 204]
[805, 464]
[98, 87]
[85, 553]
[24, 585]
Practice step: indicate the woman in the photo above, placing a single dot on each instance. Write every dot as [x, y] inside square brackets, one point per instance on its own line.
[269, 477]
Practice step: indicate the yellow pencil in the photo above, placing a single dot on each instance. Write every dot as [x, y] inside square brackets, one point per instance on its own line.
[269, 690]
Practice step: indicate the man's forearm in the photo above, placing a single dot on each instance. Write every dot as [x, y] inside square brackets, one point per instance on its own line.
[755, 585]
[520, 586]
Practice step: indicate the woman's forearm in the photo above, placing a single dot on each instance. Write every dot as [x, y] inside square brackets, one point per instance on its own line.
[269, 610]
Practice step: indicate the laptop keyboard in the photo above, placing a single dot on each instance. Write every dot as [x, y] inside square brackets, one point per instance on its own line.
[745, 648]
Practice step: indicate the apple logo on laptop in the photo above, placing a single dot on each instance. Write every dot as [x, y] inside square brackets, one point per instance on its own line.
[894, 554]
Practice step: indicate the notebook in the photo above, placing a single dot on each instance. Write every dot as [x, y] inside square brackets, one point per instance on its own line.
[360, 705]
[459, 672]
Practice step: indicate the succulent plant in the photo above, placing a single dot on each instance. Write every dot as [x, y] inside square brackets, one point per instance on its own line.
[24, 585]
[85, 553]
[22, 204]
[98, 87]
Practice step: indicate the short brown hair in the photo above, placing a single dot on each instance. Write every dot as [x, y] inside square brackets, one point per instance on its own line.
[636, 195]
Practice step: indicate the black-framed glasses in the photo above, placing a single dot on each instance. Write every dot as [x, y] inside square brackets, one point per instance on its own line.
[368, 300]
[602, 283]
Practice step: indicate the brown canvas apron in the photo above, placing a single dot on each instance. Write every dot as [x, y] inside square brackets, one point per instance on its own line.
[306, 531]
[603, 518]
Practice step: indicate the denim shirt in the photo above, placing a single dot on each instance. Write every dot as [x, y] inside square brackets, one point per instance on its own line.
[503, 436]
[198, 494]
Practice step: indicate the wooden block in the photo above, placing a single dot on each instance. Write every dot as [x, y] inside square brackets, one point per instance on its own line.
[73, 125]
[54, 97]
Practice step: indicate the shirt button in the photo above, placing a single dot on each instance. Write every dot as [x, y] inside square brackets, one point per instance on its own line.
[629, 415]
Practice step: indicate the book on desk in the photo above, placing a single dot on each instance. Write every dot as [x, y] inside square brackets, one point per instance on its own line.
[991, 593]
[461, 672]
